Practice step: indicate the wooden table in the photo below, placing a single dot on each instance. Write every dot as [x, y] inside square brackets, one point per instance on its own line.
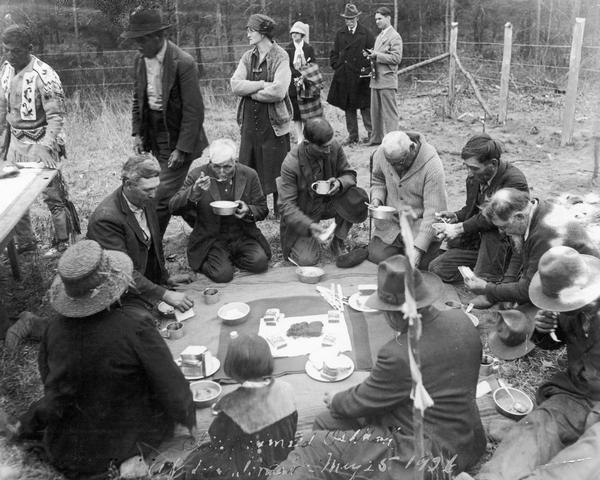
[18, 193]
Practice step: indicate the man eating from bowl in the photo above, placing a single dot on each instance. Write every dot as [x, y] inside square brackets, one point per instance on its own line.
[407, 172]
[223, 238]
[560, 438]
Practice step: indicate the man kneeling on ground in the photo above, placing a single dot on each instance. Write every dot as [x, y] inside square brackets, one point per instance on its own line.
[472, 239]
[560, 438]
[220, 243]
[371, 424]
[319, 158]
[111, 388]
[407, 172]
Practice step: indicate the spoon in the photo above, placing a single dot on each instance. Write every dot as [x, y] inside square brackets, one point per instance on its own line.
[516, 406]
[292, 261]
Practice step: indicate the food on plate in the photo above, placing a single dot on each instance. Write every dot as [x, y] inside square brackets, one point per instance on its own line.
[202, 394]
[332, 366]
[334, 316]
[272, 316]
[328, 341]
[305, 329]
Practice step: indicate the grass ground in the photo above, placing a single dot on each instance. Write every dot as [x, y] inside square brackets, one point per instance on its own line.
[98, 142]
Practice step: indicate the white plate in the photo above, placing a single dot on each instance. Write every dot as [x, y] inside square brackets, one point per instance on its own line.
[357, 302]
[211, 368]
[315, 364]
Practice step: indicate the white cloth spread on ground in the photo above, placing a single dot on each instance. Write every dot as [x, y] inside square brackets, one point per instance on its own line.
[297, 346]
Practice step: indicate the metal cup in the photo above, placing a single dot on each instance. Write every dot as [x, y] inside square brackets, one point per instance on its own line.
[211, 295]
[488, 365]
[173, 331]
[321, 187]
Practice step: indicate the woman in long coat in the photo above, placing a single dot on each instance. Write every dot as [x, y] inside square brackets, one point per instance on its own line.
[300, 54]
[262, 79]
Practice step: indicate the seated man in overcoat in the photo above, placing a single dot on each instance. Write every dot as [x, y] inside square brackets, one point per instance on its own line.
[219, 243]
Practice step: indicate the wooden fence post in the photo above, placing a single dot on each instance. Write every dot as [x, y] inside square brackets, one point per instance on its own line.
[505, 78]
[452, 68]
[571, 99]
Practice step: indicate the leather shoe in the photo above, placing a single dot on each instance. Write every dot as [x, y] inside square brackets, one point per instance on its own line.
[352, 258]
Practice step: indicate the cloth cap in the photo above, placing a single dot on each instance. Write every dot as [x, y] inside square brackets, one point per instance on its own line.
[144, 22]
[261, 23]
[566, 280]
[299, 27]
[512, 336]
[89, 279]
[390, 294]
[350, 11]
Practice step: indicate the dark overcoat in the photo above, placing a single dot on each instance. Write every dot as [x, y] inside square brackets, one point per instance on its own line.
[207, 225]
[114, 227]
[111, 390]
[348, 91]
[183, 105]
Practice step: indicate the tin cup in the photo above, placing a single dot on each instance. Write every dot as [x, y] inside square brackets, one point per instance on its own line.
[488, 365]
[173, 331]
[321, 187]
[211, 295]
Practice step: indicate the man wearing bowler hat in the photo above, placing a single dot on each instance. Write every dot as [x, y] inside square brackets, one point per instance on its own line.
[351, 73]
[381, 406]
[318, 158]
[168, 111]
[560, 438]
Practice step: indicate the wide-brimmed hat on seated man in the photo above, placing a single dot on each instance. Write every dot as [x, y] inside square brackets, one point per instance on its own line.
[391, 277]
[566, 280]
[144, 21]
[90, 279]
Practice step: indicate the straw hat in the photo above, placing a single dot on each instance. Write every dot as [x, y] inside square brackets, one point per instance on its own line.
[144, 22]
[89, 279]
[390, 285]
[566, 280]
[350, 11]
[299, 27]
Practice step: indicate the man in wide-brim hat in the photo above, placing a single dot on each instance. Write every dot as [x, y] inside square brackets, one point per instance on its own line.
[566, 288]
[381, 406]
[167, 109]
[111, 388]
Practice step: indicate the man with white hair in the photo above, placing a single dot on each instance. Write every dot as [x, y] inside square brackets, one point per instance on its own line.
[533, 226]
[219, 243]
[407, 172]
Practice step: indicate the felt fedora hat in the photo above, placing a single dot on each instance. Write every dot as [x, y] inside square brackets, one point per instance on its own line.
[144, 22]
[350, 11]
[390, 285]
[89, 279]
[566, 280]
[352, 206]
[511, 338]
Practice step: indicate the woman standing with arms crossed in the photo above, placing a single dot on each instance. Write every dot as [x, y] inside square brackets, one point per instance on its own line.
[262, 79]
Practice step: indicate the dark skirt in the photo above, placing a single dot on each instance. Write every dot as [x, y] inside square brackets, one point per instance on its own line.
[260, 148]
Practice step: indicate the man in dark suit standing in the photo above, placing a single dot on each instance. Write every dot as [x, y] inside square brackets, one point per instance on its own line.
[168, 111]
[126, 221]
[349, 89]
